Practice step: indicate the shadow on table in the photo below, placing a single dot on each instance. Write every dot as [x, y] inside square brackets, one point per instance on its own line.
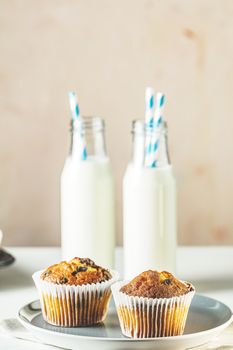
[13, 277]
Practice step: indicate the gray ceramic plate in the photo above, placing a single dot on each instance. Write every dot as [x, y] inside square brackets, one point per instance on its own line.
[207, 318]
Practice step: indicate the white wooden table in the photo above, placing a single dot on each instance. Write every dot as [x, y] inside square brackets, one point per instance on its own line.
[210, 269]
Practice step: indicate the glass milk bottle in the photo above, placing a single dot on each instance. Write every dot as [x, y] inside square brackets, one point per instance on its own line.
[87, 196]
[149, 206]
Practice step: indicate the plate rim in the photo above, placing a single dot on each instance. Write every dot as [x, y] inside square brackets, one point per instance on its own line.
[184, 337]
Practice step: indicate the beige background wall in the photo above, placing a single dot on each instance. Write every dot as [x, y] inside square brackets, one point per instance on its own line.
[108, 51]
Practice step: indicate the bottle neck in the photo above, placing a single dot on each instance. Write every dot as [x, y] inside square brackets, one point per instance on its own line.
[88, 139]
[150, 146]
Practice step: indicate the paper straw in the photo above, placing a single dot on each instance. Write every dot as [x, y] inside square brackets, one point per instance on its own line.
[158, 120]
[152, 124]
[158, 117]
[149, 121]
[149, 99]
[75, 112]
[74, 108]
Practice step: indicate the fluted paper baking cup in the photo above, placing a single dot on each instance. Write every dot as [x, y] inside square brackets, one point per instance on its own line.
[74, 306]
[147, 317]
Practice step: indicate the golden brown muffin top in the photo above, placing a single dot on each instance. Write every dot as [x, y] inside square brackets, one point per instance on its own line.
[154, 284]
[77, 271]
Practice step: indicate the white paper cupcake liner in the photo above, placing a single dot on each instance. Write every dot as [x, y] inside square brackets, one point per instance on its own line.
[73, 306]
[147, 317]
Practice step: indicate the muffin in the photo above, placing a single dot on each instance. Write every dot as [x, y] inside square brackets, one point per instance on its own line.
[74, 293]
[153, 304]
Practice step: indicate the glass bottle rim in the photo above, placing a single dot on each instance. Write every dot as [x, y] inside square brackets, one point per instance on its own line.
[139, 126]
[88, 124]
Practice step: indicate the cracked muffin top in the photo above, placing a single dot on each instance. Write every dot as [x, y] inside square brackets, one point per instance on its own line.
[154, 284]
[77, 271]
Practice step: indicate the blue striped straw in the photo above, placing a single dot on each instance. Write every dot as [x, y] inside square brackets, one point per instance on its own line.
[74, 105]
[160, 100]
[75, 112]
[158, 120]
[150, 106]
[154, 123]
[149, 121]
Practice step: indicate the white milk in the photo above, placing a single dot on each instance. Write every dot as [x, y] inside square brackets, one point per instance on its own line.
[87, 196]
[149, 211]
[149, 197]
[87, 211]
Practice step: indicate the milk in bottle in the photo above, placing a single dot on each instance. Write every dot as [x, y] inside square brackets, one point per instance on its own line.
[149, 206]
[87, 196]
